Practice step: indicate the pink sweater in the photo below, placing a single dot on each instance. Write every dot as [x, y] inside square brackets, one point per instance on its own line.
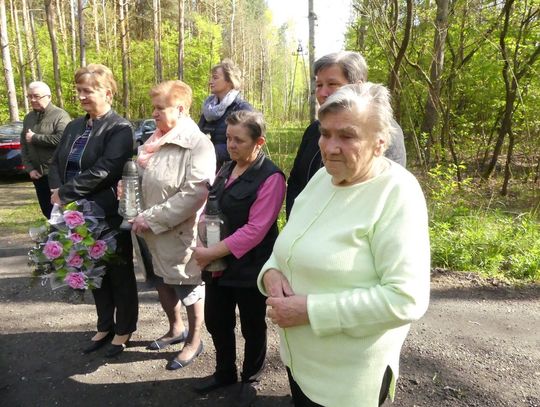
[262, 215]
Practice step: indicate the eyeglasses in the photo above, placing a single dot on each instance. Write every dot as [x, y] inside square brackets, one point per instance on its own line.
[35, 97]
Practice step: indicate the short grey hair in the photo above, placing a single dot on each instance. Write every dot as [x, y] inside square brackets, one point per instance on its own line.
[352, 64]
[252, 121]
[38, 85]
[371, 101]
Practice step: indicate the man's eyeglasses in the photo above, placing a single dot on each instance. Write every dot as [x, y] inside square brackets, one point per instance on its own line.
[35, 97]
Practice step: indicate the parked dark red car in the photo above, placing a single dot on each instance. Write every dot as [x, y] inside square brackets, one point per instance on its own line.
[10, 148]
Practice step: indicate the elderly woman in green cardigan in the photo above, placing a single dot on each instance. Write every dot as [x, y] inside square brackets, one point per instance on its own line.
[350, 270]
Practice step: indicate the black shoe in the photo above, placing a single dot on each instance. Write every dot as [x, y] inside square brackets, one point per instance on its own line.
[98, 344]
[177, 364]
[163, 343]
[115, 350]
[246, 396]
[211, 383]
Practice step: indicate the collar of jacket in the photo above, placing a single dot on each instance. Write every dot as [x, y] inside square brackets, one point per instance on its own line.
[187, 135]
[249, 174]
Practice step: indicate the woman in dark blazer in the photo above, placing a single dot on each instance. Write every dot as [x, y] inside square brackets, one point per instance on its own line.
[88, 165]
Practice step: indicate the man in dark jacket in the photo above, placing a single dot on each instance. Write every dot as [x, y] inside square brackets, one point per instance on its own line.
[332, 71]
[42, 130]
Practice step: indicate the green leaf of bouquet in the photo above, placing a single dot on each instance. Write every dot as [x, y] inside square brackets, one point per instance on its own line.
[82, 230]
[59, 262]
[72, 206]
[61, 273]
[89, 240]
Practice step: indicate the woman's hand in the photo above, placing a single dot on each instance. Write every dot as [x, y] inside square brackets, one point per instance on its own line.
[139, 224]
[276, 284]
[203, 256]
[119, 190]
[288, 311]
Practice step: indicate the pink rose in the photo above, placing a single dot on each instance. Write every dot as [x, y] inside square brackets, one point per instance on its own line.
[74, 260]
[98, 249]
[73, 219]
[75, 237]
[53, 249]
[76, 281]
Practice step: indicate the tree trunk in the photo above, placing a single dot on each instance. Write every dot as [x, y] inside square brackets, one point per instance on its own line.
[515, 66]
[49, 12]
[311, 49]
[73, 35]
[434, 91]
[362, 28]
[28, 39]
[394, 82]
[62, 25]
[509, 155]
[96, 24]
[158, 69]
[181, 7]
[125, 53]
[8, 70]
[20, 54]
[35, 45]
[104, 23]
[82, 42]
[231, 36]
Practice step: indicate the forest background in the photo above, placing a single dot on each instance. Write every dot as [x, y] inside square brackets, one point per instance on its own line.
[463, 74]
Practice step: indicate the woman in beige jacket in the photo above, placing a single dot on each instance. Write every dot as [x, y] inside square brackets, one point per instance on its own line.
[176, 163]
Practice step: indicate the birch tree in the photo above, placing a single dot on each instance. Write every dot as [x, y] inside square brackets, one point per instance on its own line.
[20, 54]
[49, 14]
[8, 70]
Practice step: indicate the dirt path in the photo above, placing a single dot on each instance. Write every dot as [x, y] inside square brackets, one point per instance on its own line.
[478, 345]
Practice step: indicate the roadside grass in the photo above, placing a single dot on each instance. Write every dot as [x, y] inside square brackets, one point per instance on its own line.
[18, 219]
[473, 229]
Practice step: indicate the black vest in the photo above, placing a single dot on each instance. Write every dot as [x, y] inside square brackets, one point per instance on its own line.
[235, 202]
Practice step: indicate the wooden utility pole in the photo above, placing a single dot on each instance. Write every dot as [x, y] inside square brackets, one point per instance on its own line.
[311, 48]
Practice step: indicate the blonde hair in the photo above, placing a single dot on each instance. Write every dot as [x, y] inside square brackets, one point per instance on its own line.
[231, 72]
[174, 92]
[98, 76]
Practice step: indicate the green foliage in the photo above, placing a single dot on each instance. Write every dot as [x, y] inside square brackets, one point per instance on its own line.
[484, 240]
[489, 242]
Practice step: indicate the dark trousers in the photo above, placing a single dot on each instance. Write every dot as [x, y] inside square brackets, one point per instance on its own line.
[146, 258]
[116, 300]
[43, 193]
[220, 318]
[301, 400]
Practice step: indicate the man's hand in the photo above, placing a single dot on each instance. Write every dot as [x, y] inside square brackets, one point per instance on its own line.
[55, 197]
[35, 174]
[287, 312]
[29, 135]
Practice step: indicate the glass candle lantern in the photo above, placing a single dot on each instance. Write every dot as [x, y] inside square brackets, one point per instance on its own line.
[130, 202]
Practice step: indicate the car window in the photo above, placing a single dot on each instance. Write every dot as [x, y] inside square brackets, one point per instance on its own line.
[150, 125]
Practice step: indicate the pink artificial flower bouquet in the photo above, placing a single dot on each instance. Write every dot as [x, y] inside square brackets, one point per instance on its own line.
[74, 248]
